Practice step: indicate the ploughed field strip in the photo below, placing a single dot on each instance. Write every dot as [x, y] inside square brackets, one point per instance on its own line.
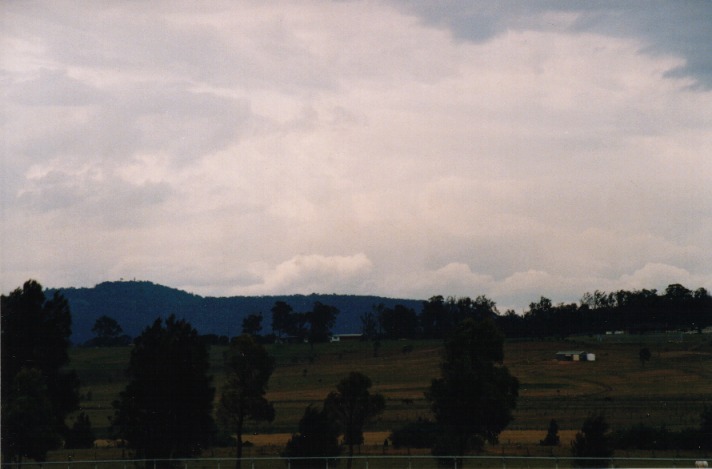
[670, 389]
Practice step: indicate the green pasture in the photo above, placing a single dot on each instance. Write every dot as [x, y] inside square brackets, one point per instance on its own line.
[671, 389]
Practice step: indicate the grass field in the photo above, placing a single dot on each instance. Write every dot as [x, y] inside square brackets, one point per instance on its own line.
[671, 389]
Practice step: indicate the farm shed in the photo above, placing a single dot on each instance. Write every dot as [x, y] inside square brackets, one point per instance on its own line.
[340, 337]
[575, 356]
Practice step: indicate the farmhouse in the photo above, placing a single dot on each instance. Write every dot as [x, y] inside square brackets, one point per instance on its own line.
[345, 337]
[575, 356]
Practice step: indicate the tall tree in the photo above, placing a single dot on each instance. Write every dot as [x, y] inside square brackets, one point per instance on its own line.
[321, 319]
[248, 367]
[398, 322]
[318, 437]
[644, 355]
[281, 318]
[474, 398]
[35, 336]
[81, 434]
[552, 435]
[28, 428]
[592, 446]
[252, 324]
[166, 408]
[352, 406]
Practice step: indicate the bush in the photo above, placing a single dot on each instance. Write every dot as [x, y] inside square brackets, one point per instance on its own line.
[420, 434]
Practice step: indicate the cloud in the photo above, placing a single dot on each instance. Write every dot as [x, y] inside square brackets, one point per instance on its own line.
[314, 273]
[514, 150]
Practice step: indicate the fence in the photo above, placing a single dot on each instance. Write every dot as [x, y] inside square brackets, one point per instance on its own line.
[366, 462]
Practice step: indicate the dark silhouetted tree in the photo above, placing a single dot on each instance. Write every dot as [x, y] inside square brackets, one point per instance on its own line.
[281, 318]
[248, 369]
[35, 336]
[706, 427]
[398, 322]
[81, 434]
[369, 324]
[321, 319]
[352, 406]
[644, 355]
[28, 427]
[552, 435]
[165, 411]
[592, 446]
[107, 332]
[475, 396]
[318, 437]
[106, 328]
[252, 324]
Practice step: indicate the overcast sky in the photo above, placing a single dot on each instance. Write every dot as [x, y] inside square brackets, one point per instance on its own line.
[405, 149]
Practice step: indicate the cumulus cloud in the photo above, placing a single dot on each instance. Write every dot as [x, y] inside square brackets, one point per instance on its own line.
[314, 273]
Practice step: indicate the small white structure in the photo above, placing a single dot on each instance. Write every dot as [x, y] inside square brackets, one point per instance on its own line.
[340, 337]
[575, 356]
[701, 464]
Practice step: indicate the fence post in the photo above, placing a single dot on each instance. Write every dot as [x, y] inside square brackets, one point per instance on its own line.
[455, 459]
[556, 463]
[504, 463]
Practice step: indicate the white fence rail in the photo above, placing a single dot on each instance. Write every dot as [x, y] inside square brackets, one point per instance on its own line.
[367, 462]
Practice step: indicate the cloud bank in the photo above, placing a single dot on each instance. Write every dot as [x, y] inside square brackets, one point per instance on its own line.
[399, 149]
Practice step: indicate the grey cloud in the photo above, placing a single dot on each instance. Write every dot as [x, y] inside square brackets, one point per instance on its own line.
[682, 28]
[94, 199]
[52, 88]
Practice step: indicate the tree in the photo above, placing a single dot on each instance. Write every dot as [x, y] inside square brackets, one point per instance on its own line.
[436, 320]
[318, 437]
[165, 411]
[252, 324]
[35, 343]
[321, 319]
[473, 399]
[81, 434]
[281, 318]
[552, 435]
[369, 324]
[107, 328]
[352, 406]
[249, 368]
[644, 355]
[107, 333]
[592, 446]
[28, 427]
[706, 427]
[398, 322]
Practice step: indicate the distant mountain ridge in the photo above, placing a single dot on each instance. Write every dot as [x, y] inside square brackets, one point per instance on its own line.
[136, 304]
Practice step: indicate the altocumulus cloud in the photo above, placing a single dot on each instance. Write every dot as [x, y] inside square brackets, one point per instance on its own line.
[398, 148]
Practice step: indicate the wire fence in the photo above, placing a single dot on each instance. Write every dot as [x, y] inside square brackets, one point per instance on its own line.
[369, 462]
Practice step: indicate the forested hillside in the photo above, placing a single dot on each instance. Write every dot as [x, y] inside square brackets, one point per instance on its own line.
[135, 304]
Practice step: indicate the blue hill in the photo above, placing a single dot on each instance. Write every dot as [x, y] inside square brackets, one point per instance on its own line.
[136, 304]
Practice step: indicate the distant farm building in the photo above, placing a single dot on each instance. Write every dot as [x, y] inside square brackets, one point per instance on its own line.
[575, 356]
[345, 337]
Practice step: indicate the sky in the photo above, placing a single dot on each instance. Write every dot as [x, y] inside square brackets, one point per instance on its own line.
[398, 148]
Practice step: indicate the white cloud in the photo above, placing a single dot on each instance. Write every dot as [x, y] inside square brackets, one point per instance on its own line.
[202, 147]
[314, 273]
